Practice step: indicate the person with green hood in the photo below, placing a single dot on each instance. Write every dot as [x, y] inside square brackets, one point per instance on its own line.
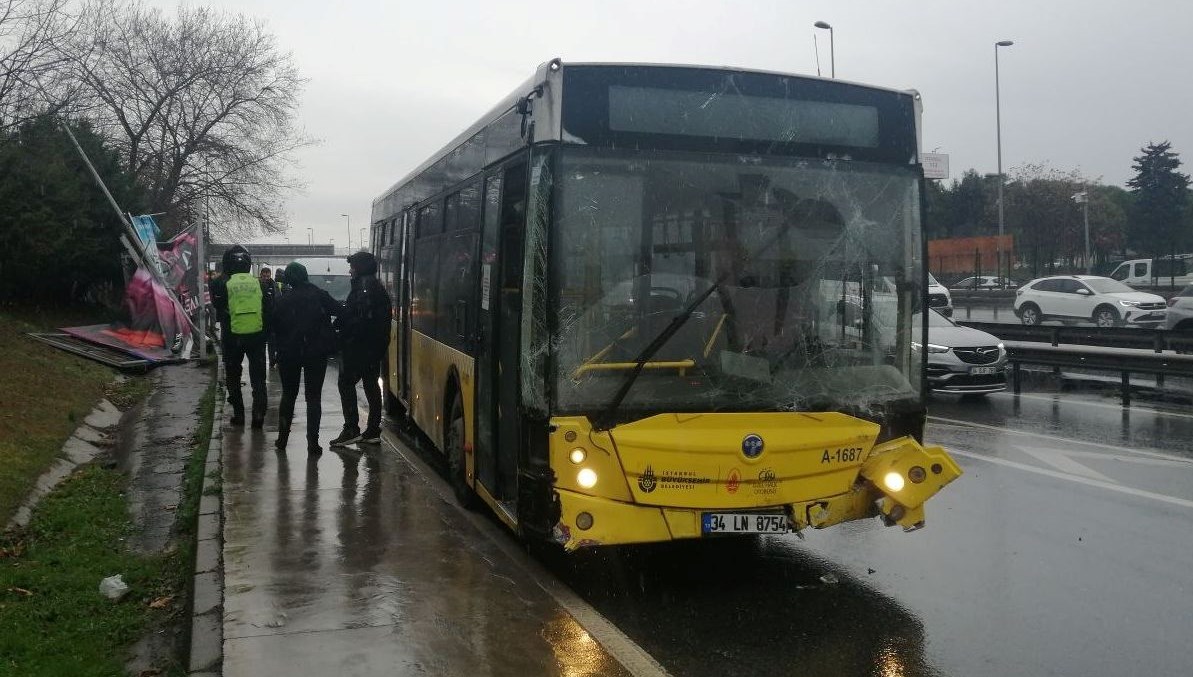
[305, 339]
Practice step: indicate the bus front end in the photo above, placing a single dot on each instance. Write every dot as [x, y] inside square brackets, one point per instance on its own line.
[732, 276]
[674, 476]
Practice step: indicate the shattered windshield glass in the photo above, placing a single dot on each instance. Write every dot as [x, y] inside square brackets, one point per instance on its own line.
[814, 259]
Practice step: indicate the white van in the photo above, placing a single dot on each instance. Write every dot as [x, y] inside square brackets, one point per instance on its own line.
[330, 273]
[1148, 272]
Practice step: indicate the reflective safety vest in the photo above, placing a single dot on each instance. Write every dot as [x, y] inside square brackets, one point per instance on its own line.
[244, 304]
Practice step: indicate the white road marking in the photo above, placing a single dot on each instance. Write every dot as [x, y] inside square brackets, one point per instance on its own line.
[1059, 459]
[1141, 460]
[624, 650]
[1057, 438]
[1163, 498]
[1100, 405]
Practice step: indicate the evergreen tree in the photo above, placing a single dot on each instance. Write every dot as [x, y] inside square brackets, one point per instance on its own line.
[1158, 223]
[59, 237]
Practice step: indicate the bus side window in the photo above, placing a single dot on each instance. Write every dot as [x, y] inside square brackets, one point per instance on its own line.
[1140, 270]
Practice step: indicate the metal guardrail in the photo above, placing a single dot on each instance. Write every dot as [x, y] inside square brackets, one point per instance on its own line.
[1156, 340]
[1125, 361]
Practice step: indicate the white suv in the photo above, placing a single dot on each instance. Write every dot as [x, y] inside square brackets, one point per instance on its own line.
[1101, 300]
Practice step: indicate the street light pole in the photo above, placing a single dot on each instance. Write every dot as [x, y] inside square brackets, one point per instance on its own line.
[310, 236]
[832, 53]
[362, 239]
[1083, 198]
[349, 230]
[998, 125]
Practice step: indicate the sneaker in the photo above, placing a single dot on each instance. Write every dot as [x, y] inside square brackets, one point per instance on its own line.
[314, 449]
[281, 441]
[237, 419]
[371, 437]
[347, 436]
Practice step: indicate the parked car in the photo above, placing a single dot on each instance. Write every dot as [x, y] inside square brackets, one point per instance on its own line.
[1101, 300]
[939, 297]
[1180, 311]
[983, 282]
[963, 360]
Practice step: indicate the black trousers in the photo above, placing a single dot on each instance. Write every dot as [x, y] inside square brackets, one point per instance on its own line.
[311, 371]
[353, 371]
[236, 348]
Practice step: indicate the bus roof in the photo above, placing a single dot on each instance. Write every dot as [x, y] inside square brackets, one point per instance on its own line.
[510, 102]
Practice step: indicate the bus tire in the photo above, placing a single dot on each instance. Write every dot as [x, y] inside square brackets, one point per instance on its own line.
[453, 445]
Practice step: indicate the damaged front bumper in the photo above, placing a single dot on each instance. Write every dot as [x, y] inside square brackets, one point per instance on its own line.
[894, 482]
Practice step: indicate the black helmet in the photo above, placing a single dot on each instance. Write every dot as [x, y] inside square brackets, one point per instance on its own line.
[237, 260]
[364, 263]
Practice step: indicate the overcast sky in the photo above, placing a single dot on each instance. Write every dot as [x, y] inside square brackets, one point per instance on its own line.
[1085, 86]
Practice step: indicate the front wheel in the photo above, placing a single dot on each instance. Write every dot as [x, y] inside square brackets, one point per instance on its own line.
[1030, 314]
[1105, 316]
[453, 442]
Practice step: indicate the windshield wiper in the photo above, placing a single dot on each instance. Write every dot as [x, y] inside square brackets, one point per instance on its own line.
[607, 419]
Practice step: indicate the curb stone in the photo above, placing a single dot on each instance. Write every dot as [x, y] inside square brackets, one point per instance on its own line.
[207, 595]
[82, 447]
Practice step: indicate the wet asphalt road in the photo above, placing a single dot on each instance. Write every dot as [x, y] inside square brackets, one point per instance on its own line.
[1065, 549]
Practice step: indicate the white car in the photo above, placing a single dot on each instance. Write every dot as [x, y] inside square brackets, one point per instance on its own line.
[939, 298]
[963, 360]
[1101, 300]
[1180, 310]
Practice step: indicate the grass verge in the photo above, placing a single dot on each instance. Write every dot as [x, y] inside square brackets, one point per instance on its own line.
[47, 393]
[53, 621]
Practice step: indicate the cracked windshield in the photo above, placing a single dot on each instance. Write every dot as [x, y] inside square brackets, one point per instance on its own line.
[638, 339]
[780, 276]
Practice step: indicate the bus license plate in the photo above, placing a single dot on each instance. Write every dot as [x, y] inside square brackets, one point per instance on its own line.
[983, 370]
[744, 523]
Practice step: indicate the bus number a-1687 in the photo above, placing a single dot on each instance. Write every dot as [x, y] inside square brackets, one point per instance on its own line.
[842, 455]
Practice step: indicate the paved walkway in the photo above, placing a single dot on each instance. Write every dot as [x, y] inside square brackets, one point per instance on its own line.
[352, 563]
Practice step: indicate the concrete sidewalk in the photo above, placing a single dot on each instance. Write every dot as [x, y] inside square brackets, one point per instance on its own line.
[351, 563]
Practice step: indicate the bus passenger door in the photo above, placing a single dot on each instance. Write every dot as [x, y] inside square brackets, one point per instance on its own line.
[497, 413]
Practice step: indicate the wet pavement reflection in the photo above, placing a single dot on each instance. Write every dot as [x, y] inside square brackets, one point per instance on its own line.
[1064, 549]
[350, 564]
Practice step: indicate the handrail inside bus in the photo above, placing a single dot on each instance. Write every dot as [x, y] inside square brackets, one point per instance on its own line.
[681, 365]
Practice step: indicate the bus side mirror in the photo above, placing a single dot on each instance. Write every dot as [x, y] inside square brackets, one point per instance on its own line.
[523, 106]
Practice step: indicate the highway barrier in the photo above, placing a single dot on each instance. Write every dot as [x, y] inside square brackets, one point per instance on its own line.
[1125, 361]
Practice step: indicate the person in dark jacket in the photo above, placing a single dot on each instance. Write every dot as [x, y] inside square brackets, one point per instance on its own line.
[244, 313]
[304, 339]
[270, 289]
[364, 338]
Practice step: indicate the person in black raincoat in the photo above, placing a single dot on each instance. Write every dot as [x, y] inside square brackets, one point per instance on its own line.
[364, 335]
[305, 339]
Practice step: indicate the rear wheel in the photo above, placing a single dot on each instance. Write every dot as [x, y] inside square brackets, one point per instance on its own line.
[1105, 316]
[453, 443]
[1029, 313]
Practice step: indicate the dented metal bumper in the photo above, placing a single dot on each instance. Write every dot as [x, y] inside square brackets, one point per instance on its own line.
[893, 482]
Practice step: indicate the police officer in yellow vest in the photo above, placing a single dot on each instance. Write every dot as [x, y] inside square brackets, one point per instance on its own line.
[244, 311]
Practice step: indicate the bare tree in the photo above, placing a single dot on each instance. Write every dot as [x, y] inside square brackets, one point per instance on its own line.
[32, 33]
[201, 106]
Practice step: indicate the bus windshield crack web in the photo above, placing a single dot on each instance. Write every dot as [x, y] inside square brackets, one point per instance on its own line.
[816, 319]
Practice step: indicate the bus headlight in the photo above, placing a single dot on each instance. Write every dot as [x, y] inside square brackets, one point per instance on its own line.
[893, 481]
[587, 478]
[578, 455]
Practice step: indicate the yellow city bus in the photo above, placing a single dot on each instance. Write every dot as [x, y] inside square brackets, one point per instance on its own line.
[638, 303]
